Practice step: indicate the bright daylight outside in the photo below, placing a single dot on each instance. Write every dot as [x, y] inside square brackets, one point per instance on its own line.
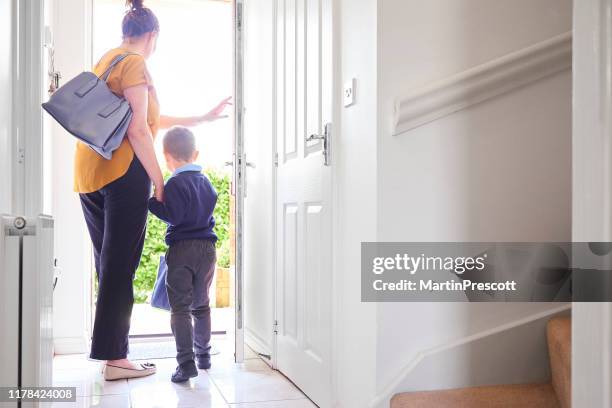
[192, 70]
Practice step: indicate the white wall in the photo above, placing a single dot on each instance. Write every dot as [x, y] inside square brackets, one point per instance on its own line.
[260, 227]
[355, 211]
[72, 245]
[498, 171]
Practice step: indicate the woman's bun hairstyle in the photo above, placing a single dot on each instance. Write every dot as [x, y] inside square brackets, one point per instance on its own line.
[134, 4]
[138, 20]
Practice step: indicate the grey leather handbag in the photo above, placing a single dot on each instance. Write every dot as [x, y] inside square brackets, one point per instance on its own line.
[87, 108]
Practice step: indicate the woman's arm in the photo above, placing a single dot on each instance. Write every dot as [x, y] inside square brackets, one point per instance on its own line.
[215, 114]
[140, 136]
[166, 122]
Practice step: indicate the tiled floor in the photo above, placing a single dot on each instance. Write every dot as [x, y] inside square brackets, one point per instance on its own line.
[249, 385]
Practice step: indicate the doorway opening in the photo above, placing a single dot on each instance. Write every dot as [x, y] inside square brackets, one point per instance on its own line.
[192, 68]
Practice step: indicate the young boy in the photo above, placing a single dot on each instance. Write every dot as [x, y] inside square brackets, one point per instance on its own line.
[189, 202]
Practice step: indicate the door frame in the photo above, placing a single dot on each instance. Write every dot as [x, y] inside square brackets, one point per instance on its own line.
[592, 193]
[86, 10]
[26, 124]
[239, 169]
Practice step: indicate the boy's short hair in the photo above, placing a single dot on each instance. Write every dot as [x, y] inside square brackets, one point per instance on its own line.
[179, 142]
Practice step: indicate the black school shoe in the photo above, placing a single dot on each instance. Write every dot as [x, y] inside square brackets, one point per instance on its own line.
[203, 361]
[184, 372]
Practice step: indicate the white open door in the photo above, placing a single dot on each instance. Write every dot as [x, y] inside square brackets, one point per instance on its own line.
[304, 273]
[259, 203]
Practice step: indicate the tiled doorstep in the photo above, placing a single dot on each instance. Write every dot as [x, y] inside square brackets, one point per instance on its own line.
[158, 391]
[89, 381]
[241, 386]
[302, 403]
[95, 401]
[164, 395]
[123, 401]
[252, 381]
[251, 384]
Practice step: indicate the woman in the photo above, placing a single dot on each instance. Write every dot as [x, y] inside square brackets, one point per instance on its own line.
[114, 193]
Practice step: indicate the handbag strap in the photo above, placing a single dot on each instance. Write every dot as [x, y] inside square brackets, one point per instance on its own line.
[115, 61]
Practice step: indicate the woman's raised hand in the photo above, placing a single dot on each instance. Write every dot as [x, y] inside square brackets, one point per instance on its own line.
[166, 122]
[217, 112]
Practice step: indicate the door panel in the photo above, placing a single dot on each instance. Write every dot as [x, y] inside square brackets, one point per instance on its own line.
[314, 225]
[304, 196]
[289, 271]
[290, 132]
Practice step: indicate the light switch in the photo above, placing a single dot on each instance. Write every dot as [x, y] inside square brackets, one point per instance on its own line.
[349, 92]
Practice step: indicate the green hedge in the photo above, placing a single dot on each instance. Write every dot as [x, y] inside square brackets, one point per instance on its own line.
[155, 245]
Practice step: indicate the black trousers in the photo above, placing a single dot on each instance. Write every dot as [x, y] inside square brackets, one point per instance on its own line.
[191, 267]
[116, 217]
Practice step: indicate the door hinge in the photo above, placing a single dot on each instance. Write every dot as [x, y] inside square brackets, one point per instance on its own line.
[275, 159]
[21, 155]
[275, 327]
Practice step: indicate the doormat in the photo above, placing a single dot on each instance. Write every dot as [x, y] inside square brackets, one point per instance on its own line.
[156, 350]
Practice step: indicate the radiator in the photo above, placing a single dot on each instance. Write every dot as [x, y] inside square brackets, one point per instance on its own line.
[26, 302]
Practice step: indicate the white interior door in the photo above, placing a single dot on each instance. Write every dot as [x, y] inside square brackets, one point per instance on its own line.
[304, 107]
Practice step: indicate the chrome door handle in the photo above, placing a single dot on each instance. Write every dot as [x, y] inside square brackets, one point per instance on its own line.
[231, 164]
[241, 175]
[312, 138]
[327, 142]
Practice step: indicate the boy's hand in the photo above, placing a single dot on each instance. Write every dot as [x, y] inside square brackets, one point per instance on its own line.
[158, 193]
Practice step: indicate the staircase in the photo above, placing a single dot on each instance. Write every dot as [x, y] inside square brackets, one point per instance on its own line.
[556, 394]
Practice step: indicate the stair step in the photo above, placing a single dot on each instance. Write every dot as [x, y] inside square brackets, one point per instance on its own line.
[502, 396]
[559, 334]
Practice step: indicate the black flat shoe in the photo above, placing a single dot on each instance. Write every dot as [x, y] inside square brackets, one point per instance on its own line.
[203, 361]
[184, 372]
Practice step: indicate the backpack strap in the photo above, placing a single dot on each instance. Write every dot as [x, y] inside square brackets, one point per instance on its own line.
[115, 61]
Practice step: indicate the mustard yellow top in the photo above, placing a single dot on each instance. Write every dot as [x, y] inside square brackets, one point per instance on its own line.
[92, 171]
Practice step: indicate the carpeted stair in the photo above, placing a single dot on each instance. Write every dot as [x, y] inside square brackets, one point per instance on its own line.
[559, 333]
[556, 394]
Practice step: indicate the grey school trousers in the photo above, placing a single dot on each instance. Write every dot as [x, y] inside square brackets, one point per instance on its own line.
[191, 267]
